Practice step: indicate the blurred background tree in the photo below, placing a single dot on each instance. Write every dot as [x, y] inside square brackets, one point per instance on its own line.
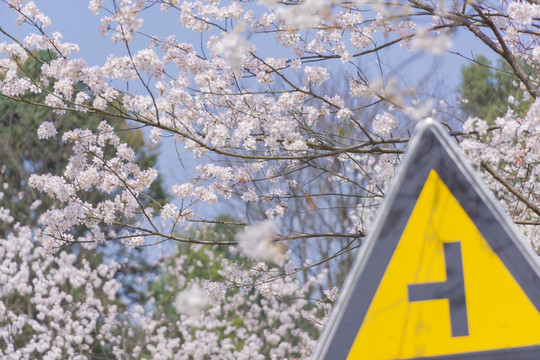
[486, 89]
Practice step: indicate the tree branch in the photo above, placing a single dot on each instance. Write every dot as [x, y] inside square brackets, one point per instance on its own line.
[510, 188]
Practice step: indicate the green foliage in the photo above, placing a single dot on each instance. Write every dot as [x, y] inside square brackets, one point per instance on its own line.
[487, 90]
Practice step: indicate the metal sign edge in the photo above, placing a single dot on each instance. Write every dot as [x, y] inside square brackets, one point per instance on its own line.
[365, 251]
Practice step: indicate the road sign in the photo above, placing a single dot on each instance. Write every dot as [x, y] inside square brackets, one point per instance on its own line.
[443, 273]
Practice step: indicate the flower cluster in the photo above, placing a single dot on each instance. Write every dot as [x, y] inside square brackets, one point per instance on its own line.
[100, 162]
[70, 306]
[54, 307]
[512, 148]
[252, 307]
[256, 241]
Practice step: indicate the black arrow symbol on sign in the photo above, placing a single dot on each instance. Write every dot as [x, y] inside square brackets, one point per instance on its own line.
[452, 289]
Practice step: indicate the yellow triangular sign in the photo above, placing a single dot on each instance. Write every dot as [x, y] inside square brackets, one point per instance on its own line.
[443, 274]
[498, 315]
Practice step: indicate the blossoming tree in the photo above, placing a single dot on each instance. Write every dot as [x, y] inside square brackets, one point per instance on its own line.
[68, 306]
[254, 108]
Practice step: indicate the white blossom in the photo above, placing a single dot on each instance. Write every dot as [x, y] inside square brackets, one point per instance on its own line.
[233, 47]
[190, 301]
[257, 241]
[46, 130]
[384, 124]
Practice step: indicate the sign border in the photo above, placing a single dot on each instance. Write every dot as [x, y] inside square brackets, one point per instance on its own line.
[372, 260]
